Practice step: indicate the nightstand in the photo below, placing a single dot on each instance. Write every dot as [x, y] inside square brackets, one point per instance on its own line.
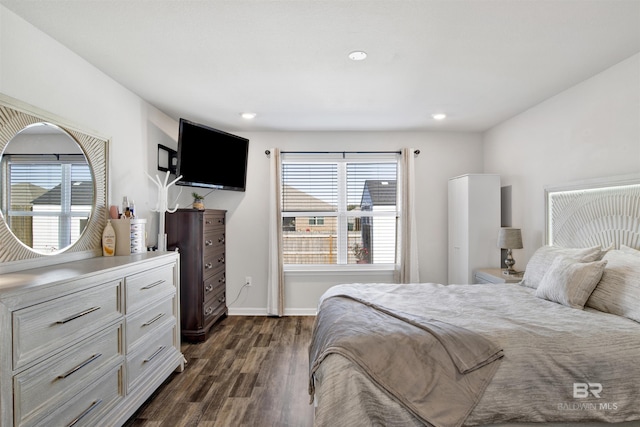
[495, 275]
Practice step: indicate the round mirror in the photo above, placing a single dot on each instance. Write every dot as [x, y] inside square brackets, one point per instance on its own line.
[47, 188]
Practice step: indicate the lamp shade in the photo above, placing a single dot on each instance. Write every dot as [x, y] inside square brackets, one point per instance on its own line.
[510, 238]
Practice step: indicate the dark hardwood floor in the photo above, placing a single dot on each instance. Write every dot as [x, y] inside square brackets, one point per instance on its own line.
[252, 371]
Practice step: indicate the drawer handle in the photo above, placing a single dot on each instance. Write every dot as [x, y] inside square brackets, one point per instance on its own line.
[208, 242]
[155, 353]
[93, 406]
[208, 265]
[208, 311]
[208, 288]
[208, 222]
[75, 316]
[155, 319]
[222, 299]
[222, 279]
[153, 285]
[221, 239]
[221, 259]
[80, 366]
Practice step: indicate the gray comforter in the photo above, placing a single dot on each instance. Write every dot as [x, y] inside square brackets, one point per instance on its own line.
[451, 361]
[559, 365]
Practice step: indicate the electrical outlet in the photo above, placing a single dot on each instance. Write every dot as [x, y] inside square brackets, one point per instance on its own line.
[247, 280]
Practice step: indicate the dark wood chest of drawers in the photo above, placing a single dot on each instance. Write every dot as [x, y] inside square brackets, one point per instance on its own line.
[199, 236]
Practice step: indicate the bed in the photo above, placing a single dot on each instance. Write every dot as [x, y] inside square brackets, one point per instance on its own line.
[560, 348]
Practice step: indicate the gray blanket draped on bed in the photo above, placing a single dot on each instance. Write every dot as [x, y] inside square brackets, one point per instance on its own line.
[455, 362]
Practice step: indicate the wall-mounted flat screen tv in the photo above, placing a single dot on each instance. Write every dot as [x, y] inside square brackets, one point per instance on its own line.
[211, 158]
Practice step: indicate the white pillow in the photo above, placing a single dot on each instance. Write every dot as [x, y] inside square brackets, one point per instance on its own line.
[545, 255]
[629, 250]
[619, 289]
[570, 282]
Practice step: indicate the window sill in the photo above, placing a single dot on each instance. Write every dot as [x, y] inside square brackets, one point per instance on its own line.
[350, 269]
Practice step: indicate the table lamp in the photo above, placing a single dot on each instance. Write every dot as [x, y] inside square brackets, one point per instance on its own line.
[510, 238]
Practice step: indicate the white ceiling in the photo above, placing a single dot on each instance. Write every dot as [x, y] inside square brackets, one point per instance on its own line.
[480, 61]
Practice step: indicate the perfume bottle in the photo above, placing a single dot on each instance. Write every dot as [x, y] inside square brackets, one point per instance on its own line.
[125, 207]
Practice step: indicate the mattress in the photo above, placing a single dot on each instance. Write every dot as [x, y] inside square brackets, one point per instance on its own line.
[560, 364]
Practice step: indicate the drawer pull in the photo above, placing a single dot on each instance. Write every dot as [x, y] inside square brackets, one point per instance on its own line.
[208, 266]
[222, 299]
[75, 316]
[221, 259]
[158, 317]
[80, 366]
[208, 311]
[222, 279]
[153, 285]
[93, 406]
[155, 353]
[208, 222]
[208, 288]
[221, 239]
[208, 242]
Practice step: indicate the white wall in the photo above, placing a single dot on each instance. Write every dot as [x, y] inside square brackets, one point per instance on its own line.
[591, 130]
[443, 155]
[36, 69]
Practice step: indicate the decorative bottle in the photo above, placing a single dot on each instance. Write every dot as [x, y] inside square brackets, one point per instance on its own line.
[108, 240]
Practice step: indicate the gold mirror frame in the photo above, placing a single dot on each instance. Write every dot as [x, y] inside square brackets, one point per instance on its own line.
[14, 255]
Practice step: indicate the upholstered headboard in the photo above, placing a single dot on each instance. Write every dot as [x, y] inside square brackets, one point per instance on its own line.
[595, 212]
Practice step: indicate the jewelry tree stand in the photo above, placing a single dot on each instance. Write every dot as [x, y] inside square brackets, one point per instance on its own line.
[162, 207]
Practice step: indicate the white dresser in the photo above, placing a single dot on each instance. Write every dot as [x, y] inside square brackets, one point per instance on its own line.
[85, 343]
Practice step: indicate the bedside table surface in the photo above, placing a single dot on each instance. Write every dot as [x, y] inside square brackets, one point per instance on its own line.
[496, 275]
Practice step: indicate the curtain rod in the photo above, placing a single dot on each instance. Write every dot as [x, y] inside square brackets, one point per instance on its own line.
[268, 152]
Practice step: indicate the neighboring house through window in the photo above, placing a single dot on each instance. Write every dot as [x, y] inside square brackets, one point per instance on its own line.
[339, 209]
[48, 202]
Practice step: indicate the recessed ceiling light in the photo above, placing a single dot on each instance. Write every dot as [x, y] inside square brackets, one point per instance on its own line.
[357, 55]
[439, 116]
[248, 116]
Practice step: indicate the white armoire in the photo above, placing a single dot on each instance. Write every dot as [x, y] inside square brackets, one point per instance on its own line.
[474, 221]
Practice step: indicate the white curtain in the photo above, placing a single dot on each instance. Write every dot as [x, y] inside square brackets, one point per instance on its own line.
[275, 283]
[407, 268]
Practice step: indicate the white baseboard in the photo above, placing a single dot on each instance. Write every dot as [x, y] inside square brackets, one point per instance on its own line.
[251, 311]
[300, 312]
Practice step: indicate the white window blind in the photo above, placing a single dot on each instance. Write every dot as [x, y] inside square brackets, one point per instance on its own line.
[339, 209]
[47, 201]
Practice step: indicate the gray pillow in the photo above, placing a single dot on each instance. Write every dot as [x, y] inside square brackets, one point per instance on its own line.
[570, 282]
[545, 255]
[618, 291]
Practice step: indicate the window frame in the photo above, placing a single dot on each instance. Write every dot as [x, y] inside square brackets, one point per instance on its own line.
[343, 214]
[67, 212]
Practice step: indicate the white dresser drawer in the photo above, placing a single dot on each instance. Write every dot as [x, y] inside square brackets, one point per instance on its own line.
[64, 352]
[154, 352]
[147, 321]
[147, 286]
[40, 329]
[42, 388]
[87, 407]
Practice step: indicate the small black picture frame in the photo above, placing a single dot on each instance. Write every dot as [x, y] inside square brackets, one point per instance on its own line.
[167, 159]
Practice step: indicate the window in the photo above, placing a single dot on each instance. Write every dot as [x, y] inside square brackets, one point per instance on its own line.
[339, 209]
[316, 221]
[48, 201]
